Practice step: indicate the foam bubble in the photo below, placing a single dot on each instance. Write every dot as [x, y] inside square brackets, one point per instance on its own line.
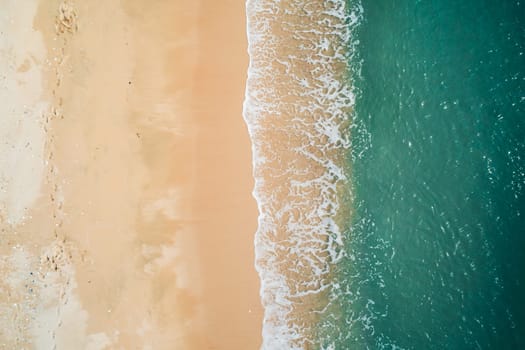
[298, 109]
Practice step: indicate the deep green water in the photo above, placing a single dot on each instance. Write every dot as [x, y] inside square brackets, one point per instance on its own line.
[436, 248]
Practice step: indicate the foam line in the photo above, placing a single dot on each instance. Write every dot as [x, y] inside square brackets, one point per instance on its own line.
[297, 107]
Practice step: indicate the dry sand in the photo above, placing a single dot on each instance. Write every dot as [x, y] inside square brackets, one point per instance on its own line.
[138, 232]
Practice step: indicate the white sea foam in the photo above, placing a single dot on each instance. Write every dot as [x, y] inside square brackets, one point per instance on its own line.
[297, 109]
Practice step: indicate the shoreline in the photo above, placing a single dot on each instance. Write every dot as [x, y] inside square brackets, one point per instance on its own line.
[220, 176]
[145, 221]
[299, 130]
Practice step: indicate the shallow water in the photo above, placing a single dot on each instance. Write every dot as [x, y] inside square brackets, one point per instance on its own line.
[297, 106]
[427, 220]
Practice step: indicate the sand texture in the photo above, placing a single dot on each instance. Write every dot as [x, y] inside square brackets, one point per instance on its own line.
[126, 213]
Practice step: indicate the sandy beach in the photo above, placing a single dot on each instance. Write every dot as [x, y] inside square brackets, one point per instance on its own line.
[126, 211]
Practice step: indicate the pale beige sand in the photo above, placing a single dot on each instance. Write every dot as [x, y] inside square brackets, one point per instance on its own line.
[140, 233]
[22, 137]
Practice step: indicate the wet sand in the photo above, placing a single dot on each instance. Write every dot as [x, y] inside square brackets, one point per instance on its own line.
[141, 235]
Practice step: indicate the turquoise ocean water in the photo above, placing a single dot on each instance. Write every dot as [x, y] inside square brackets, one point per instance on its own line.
[438, 234]
[431, 213]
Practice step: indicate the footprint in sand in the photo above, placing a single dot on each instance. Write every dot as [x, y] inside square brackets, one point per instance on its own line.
[66, 21]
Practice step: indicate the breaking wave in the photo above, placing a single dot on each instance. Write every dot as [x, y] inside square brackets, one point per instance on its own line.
[298, 107]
